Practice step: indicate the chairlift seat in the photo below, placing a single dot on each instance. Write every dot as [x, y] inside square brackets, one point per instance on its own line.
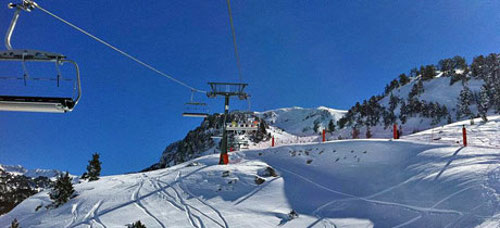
[194, 114]
[30, 103]
[37, 104]
[195, 109]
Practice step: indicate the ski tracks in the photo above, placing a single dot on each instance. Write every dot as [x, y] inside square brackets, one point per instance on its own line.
[136, 198]
[176, 201]
[93, 213]
[173, 194]
[407, 206]
[219, 214]
[74, 214]
[189, 214]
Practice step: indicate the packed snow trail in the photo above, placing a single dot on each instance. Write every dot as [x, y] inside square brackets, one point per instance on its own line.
[348, 183]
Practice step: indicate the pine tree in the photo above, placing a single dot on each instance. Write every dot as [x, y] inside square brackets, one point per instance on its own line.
[389, 118]
[403, 79]
[417, 89]
[15, 224]
[137, 224]
[316, 127]
[429, 72]
[331, 126]
[261, 132]
[459, 63]
[393, 102]
[448, 119]
[464, 101]
[94, 168]
[262, 128]
[62, 190]
[355, 133]
[484, 103]
[343, 121]
[446, 66]
[368, 132]
[414, 72]
[479, 67]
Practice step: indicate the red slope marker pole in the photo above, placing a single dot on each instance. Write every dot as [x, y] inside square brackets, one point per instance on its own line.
[272, 144]
[225, 158]
[464, 135]
[395, 131]
[324, 135]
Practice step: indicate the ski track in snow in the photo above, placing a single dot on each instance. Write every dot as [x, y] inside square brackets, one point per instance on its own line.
[407, 206]
[136, 199]
[448, 163]
[219, 214]
[451, 195]
[189, 214]
[175, 202]
[408, 222]
[74, 213]
[93, 215]
[165, 195]
[462, 217]
[96, 216]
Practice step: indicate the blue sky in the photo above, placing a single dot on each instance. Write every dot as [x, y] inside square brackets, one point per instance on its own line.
[293, 53]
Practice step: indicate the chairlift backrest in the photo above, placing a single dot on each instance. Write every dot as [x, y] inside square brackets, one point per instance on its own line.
[195, 109]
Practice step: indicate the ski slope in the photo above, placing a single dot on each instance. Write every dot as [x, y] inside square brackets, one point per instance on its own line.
[345, 183]
[480, 134]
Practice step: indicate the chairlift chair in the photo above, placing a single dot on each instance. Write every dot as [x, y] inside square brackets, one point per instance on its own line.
[31, 103]
[195, 109]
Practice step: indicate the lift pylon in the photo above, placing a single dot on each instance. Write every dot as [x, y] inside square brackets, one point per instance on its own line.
[226, 90]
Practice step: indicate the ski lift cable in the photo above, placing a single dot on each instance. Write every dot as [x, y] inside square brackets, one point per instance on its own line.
[117, 49]
[233, 33]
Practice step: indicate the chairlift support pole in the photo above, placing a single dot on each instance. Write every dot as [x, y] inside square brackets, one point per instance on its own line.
[227, 90]
[224, 130]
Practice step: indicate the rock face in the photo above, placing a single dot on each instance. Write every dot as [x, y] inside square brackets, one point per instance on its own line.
[199, 141]
[16, 187]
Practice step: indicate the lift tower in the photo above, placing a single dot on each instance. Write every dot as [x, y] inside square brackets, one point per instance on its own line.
[227, 90]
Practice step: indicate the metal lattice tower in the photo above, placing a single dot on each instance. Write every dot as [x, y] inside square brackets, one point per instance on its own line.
[226, 90]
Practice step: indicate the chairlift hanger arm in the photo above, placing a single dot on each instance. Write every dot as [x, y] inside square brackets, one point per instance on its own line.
[33, 4]
[27, 6]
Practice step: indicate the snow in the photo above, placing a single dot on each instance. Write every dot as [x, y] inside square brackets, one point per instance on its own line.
[436, 90]
[300, 121]
[479, 135]
[343, 183]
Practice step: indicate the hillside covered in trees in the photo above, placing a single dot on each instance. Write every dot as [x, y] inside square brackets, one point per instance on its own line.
[431, 95]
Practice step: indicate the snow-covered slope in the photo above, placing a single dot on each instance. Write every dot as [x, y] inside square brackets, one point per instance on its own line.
[479, 135]
[301, 121]
[345, 183]
[32, 173]
[437, 90]
[288, 122]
